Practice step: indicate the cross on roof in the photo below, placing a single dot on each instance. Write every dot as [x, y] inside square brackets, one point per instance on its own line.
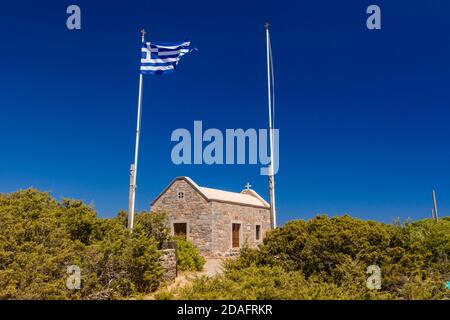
[248, 186]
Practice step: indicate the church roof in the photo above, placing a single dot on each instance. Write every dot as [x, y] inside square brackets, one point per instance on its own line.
[227, 196]
[246, 197]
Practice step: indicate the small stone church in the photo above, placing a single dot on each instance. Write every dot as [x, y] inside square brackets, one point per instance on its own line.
[217, 222]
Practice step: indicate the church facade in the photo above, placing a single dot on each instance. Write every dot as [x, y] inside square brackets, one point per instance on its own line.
[217, 222]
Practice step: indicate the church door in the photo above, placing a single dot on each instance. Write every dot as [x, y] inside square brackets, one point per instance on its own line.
[236, 227]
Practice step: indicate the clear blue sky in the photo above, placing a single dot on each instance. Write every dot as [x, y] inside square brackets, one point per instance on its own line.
[363, 115]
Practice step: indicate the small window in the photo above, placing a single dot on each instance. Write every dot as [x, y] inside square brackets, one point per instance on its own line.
[258, 232]
[180, 230]
[180, 195]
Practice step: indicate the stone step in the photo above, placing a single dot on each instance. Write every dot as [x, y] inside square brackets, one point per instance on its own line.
[234, 252]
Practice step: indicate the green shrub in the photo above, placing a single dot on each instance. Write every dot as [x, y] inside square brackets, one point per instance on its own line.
[152, 225]
[40, 238]
[324, 258]
[164, 295]
[189, 259]
[327, 258]
[266, 283]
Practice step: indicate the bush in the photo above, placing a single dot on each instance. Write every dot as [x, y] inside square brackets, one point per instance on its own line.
[152, 225]
[266, 283]
[324, 258]
[189, 259]
[122, 264]
[163, 295]
[327, 258]
[40, 238]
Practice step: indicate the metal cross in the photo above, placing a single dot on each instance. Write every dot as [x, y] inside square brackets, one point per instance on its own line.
[248, 185]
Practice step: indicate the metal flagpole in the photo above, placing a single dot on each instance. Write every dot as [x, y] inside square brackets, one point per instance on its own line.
[435, 210]
[273, 219]
[133, 169]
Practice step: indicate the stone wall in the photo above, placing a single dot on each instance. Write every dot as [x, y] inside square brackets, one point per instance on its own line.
[226, 213]
[193, 209]
[169, 263]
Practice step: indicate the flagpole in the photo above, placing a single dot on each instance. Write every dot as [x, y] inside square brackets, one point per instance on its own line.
[134, 166]
[435, 209]
[273, 219]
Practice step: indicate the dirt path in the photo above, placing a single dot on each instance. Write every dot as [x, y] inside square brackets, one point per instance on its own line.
[211, 268]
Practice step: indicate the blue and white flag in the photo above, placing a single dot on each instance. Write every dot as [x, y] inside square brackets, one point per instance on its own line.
[162, 57]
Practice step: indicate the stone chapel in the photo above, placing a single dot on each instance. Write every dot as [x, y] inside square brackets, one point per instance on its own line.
[217, 222]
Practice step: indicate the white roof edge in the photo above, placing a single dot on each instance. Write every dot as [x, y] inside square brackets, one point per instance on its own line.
[187, 178]
[254, 193]
[203, 191]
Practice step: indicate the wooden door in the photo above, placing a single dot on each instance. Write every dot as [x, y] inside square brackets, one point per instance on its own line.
[236, 228]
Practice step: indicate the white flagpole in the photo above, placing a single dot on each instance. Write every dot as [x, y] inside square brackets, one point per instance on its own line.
[273, 216]
[435, 209]
[133, 170]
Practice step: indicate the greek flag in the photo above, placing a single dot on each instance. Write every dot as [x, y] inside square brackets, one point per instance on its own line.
[162, 57]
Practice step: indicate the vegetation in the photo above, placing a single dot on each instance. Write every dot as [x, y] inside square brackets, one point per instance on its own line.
[40, 238]
[189, 259]
[324, 258]
[327, 258]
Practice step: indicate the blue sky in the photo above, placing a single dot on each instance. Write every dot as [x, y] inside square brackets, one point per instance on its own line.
[363, 115]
